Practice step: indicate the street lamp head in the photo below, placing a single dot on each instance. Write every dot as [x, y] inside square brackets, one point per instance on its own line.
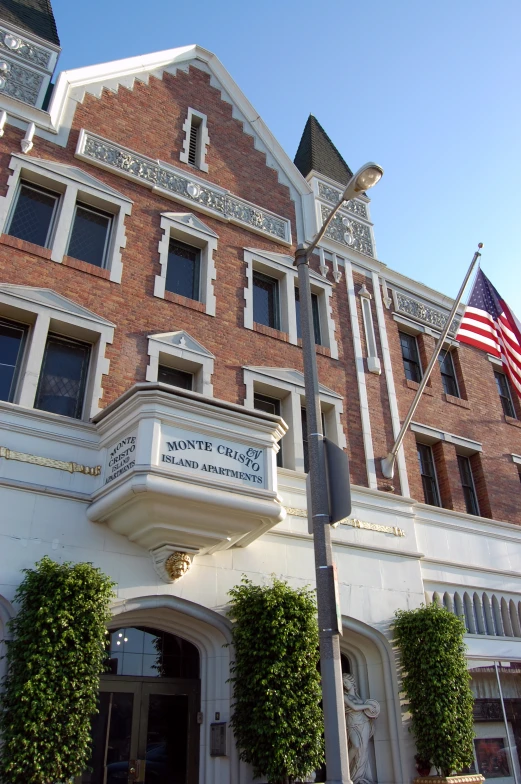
[367, 176]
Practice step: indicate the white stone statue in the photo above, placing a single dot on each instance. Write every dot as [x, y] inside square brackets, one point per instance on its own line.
[360, 717]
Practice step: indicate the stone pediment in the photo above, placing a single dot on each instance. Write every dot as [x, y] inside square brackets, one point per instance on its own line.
[190, 221]
[72, 173]
[48, 298]
[182, 340]
[277, 258]
[288, 376]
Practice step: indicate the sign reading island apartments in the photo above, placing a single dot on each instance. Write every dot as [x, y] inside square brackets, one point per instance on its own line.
[190, 452]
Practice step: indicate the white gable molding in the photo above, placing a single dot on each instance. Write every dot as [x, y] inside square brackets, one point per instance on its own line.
[185, 353]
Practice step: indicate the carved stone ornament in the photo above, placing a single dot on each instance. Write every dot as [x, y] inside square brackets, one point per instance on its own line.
[472, 778]
[157, 174]
[332, 195]
[349, 232]
[171, 564]
[417, 310]
[49, 462]
[360, 718]
[24, 49]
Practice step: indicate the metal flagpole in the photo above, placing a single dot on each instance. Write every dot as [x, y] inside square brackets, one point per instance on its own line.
[388, 462]
[514, 772]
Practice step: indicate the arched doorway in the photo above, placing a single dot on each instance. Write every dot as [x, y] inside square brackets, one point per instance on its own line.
[147, 729]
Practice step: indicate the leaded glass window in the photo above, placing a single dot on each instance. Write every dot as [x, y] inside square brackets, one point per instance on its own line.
[90, 235]
[183, 270]
[34, 213]
[61, 388]
[12, 340]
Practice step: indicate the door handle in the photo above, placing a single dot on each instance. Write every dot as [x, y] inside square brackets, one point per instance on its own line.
[136, 771]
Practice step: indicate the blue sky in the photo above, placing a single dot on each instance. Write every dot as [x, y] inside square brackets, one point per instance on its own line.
[430, 90]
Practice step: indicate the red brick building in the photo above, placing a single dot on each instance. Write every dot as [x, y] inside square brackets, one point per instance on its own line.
[148, 221]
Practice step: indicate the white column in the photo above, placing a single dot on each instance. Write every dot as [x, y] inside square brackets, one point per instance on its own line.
[360, 376]
[34, 361]
[389, 378]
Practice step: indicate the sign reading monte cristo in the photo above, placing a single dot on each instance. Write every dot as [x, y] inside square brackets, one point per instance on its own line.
[211, 456]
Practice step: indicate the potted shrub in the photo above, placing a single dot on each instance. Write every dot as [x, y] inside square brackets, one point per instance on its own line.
[435, 680]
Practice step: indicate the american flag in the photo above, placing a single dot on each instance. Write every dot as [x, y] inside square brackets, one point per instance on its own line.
[489, 324]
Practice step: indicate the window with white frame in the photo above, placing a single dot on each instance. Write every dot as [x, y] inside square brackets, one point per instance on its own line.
[177, 359]
[186, 252]
[272, 298]
[52, 352]
[427, 465]
[284, 388]
[196, 140]
[66, 210]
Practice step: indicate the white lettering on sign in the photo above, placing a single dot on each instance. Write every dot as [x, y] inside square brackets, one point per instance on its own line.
[121, 458]
[212, 456]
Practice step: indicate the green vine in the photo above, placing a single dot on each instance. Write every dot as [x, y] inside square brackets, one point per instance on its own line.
[54, 661]
[277, 719]
[436, 683]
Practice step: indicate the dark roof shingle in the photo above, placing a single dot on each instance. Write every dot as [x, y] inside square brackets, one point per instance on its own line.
[317, 152]
[35, 16]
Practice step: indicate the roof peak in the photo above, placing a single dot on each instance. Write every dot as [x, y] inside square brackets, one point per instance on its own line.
[316, 152]
[33, 16]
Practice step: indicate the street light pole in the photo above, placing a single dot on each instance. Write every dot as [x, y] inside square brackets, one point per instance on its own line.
[337, 763]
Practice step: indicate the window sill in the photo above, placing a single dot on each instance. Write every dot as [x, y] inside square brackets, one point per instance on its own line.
[270, 332]
[28, 247]
[456, 401]
[414, 385]
[511, 421]
[84, 266]
[186, 302]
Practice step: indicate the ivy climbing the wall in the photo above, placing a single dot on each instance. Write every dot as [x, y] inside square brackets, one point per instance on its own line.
[435, 680]
[277, 719]
[54, 661]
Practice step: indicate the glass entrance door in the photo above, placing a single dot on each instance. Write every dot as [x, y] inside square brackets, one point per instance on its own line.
[145, 732]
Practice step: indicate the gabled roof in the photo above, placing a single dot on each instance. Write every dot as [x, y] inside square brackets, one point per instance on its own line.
[316, 152]
[35, 16]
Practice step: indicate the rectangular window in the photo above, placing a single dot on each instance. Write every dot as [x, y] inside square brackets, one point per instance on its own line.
[61, 388]
[175, 377]
[34, 214]
[316, 316]
[12, 340]
[428, 475]
[448, 374]
[271, 405]
[90, 235]
[467, 483]
[411, 360]
[183, 270]
[265, 300]
[503, 388]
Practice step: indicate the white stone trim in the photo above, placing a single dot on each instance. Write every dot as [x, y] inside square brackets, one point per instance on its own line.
[431, 435]
[56, 315]
[291, 393]
[360, 376]
[389, 380]
[73, 185]
[281, 267]
[415, 328]
[187, 228]
[203, 139]
[516, 459]
[373, 362]
[495, 360]
[179, 350]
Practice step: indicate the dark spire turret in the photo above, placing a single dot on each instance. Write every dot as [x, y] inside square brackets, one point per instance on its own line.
[316, 152]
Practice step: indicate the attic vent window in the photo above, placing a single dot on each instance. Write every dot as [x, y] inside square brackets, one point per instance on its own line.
[196, 140]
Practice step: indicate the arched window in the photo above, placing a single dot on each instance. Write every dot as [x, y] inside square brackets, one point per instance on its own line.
[144, 652]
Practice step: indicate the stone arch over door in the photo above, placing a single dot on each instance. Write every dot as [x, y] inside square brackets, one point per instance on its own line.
[210, 633]
[372, 662]
[6, 613]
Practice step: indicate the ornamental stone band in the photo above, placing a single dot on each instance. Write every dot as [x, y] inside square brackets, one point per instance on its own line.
[25, 50]
[425, 313]
[174, 182]
[341, 225]
[332, 195]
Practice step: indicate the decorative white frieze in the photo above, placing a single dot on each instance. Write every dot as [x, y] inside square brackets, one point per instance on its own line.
[348, 232]
[426, 314]
[332, 195]
[22, 83]
[24, 49]
[177, 184]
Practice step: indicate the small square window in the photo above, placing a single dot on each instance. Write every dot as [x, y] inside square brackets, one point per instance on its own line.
[90, 235]
[61, 388]
[316, 316]
[265, 300]
[271, 405]
[503, 388]
[183, 270]
[411, 360]
[428, 475]
[12, 341]
[448, 374]
[175, 377]
[467, 484]
[34, 214]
